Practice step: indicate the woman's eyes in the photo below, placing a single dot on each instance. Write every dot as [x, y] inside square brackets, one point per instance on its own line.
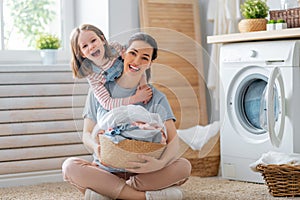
[145, 58]
[135, 54]
[132, 53]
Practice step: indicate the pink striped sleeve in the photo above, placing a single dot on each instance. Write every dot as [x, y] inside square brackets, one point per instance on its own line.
[97, 82]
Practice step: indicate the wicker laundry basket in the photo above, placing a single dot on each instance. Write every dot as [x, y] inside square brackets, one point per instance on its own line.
[117, 155]
[282, 180]
[291, 16]
[205, 162]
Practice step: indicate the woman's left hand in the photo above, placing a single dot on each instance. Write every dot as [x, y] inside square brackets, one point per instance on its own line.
[151, 164]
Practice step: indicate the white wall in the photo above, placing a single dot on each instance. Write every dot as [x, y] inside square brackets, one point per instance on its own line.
[123, 19]
[92, 12]
[117, 18]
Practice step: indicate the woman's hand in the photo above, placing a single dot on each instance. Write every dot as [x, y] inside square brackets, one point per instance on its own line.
[96, 132]
[97, 150]
[150, 164]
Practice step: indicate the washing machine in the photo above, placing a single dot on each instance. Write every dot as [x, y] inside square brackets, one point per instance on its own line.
[259, 104]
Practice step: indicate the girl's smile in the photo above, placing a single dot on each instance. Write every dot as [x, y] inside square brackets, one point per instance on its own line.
[96, 53]
[91, 47]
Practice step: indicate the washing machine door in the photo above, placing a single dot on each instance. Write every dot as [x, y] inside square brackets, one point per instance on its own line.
[270, 94]
[255, 104]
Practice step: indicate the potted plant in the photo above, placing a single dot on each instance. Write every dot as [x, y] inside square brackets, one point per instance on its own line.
[48, 44]
[255, 13]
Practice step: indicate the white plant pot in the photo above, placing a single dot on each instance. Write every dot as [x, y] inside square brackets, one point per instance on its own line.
[49, 56]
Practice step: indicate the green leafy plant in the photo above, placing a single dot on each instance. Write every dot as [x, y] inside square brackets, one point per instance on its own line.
[254, 9]
[47, 41]
[272, 21]
[29, 18]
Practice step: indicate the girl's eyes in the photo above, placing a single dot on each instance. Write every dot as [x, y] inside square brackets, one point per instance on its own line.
[92, 41]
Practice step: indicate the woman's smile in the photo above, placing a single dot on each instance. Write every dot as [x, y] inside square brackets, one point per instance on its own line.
[137, 57]
[133, 68]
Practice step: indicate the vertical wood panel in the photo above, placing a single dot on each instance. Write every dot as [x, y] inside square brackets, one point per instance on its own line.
[175, 24]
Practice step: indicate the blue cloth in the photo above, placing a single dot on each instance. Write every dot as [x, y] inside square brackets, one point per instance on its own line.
[131, 132]
[118, 133]
[114, 71]
[255, 104]
[252, 102]
[111, 74]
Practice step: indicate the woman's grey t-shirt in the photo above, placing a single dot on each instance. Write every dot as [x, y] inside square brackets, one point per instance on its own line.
[158, 104]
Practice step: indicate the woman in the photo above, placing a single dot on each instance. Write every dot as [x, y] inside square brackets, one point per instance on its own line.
[154, 179]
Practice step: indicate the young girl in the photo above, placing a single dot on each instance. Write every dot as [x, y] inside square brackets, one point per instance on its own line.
[99, 62]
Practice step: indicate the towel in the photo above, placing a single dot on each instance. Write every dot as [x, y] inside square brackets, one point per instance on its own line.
[197, 136]
[225, 15]
[276, 158]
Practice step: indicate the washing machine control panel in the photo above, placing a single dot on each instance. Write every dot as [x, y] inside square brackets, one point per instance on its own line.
[240, 56]
[256, 52]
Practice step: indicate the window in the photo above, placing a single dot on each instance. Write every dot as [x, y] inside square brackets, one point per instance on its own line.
[22, 20]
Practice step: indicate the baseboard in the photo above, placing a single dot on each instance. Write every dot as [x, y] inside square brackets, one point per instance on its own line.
[30, 178]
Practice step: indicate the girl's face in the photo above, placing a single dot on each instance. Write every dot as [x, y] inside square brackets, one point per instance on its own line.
[137, 58]
[91, 46]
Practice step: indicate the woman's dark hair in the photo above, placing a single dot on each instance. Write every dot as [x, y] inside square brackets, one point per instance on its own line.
[141, 36]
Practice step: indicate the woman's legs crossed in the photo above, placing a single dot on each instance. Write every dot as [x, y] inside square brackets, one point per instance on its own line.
[174, 174]
[83, 174]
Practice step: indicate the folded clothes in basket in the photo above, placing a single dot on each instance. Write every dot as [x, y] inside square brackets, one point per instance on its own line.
[197, 136]
[276, 158]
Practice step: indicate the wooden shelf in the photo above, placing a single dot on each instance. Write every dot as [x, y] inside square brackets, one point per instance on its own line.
[291, 33]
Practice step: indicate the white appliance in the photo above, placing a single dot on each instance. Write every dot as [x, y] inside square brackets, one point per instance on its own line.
[259, 104]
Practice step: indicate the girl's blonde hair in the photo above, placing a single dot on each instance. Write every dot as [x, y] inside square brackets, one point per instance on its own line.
[81, 67]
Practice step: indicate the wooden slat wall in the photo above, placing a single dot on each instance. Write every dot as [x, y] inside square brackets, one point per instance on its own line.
[40, 118]
[178, 70]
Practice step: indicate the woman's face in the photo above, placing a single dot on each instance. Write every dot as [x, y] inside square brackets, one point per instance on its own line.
[137, 58]
[91, 46]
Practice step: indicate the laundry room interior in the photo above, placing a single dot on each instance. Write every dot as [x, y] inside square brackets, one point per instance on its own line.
[229, 70]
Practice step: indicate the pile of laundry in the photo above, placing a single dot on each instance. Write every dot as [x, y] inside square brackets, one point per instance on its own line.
[132, 122]
[276, 158]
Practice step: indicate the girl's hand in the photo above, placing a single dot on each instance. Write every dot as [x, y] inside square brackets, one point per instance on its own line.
[151, 164]
[143, 94]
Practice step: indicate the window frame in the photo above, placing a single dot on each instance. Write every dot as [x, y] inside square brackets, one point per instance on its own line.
[33, 56]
